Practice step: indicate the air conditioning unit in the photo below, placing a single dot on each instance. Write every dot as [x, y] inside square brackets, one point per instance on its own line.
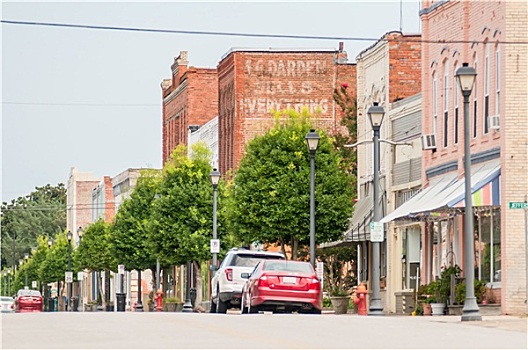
[494, 122]
[428, 141]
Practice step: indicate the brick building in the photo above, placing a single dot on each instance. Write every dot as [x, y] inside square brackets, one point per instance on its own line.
[103, 201]
[482, 34]
[190, 100]
[254, 82]
[79, 199]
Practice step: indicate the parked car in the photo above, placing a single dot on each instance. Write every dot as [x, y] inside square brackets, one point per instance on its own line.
[283, 286]
[227, 282]
[28, 300]
[7, 304]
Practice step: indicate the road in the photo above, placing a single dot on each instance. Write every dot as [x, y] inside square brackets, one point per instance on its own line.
[262, 331]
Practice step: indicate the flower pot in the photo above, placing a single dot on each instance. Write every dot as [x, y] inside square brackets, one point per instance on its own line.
[340, 304]
[427, 310]
[438, 309]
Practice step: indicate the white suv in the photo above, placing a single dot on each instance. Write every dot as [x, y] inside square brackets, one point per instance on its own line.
[231, 276]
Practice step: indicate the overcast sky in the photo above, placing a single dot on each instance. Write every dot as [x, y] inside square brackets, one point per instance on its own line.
[91, 98]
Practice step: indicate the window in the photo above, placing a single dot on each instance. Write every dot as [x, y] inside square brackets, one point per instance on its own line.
[497, 82]
[457, 93]
[435, 94]
[446, 106]
[475, 114]
[486, 89]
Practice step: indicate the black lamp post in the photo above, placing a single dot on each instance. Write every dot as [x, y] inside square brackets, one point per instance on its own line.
[187, 306]
[26, 258]
[312, 141]
[376, 114]
[215, 178]
[470, 312]
[79, 282]
[8, 281]
[69, 235]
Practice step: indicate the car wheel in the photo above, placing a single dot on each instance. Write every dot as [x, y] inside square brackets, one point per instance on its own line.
[243, 306]
[252, 309]
[221, 307]
[212, 310]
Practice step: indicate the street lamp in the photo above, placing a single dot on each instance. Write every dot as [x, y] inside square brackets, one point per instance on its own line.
[312, 141]
[470, 312]
[8, 281]
[69, 235]
[79, 281]
[187, 306]
[376, 114]
[26, 258]
[215, 178]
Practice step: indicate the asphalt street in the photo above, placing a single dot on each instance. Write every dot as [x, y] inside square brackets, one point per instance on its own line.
[134, 330]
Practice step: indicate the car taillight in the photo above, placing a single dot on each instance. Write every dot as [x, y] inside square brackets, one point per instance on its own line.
[229, 274]
[263, 281]
[315, 284]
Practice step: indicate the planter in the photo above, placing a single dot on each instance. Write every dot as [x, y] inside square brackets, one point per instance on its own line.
[427, 310]
[340, 304]
[438, 309]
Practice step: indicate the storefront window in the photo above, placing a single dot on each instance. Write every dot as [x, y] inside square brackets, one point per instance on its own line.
[488, 254]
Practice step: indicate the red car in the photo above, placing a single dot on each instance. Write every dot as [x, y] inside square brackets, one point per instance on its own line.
[28, 300]
[282, 286]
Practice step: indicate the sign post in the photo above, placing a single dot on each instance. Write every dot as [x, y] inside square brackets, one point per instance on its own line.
[376, 231]
[524, 205]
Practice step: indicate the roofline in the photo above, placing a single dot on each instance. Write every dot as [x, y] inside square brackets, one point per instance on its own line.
[382, 39]
[274, 49]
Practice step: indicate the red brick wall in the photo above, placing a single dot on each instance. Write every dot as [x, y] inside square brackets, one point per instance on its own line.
[252, 84]
[83, 203]
[190, 98]
[405, 62]
[109, 199]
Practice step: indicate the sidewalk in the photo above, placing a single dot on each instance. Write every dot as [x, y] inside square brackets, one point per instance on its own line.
[505, 322]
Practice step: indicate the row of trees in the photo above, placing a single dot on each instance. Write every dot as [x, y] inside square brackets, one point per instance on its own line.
[168, 216]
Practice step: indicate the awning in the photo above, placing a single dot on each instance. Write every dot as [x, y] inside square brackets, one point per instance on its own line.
[359, 230]
[449, 192]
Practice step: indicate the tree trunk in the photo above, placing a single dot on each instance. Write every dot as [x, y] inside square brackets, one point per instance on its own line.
[283, 248]
[199, 282]
[102, 290]
[295, 248]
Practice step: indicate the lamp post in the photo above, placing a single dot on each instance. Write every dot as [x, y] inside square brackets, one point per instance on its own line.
[69, 235]
[470, 312]
[376, 114]
[79, 274]
[312, 141]
[215, 178]
[187, 306]
[26, 258]
[8, 281]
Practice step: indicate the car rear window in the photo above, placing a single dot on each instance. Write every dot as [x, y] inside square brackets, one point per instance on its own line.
[27, 292]
[251, 260]
[289, 266]
[6, 298]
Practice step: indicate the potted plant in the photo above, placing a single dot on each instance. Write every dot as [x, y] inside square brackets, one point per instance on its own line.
[172, 304]
[438, 301]
[423, 305]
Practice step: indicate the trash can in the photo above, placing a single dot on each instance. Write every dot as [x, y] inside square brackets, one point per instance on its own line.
[75, 302]
[120, 301]
[193, 296]
[51, 304]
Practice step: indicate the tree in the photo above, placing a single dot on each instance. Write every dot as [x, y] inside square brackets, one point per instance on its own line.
[54, 266]
[271, 189]
[42, 212]
[129, 232]
[94, 253]
[181, 227]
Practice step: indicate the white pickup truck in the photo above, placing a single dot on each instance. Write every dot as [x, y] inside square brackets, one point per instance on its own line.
[231, 276]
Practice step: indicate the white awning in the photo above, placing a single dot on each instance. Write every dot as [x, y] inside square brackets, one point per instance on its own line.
[444, 193]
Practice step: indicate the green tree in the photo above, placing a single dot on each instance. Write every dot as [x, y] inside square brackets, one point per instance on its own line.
[129, 232]
[94, 253]
[42, 212]
[271, 189]
[54, 266]
[182, 217]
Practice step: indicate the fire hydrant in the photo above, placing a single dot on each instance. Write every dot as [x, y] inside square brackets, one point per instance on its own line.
[159, 300]
[361, 300]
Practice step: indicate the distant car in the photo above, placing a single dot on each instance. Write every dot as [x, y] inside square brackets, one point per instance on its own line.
[7, 304]
[230, 277]
[283, 286]
[28, 300]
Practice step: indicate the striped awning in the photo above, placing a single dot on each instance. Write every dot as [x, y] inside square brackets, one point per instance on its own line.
[485, 193]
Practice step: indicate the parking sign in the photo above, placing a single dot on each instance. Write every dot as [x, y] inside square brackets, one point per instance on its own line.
[215, 246]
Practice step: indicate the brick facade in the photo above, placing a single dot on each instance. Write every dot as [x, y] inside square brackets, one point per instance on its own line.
[500, 89]
[190, 98]
[79, 199]
[252, 83]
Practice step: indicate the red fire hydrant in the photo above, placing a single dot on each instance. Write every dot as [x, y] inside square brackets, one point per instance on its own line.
[159, 300]
[361, 300]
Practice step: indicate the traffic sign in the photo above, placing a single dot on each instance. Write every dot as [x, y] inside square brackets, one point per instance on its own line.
[215, 246]
[121, 269]
[376, 231]
[319, 270]
[518, 205]
[33, 284]
[68, 277]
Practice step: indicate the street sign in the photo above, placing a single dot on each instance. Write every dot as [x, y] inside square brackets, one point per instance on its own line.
[518, 205]
[376, 231]
[215, 246]
[121, 269]
[319, 270]
[68, 277]
[80, 276]
[34, 284]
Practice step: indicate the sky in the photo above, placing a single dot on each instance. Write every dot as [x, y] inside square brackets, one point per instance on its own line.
[91, 98]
